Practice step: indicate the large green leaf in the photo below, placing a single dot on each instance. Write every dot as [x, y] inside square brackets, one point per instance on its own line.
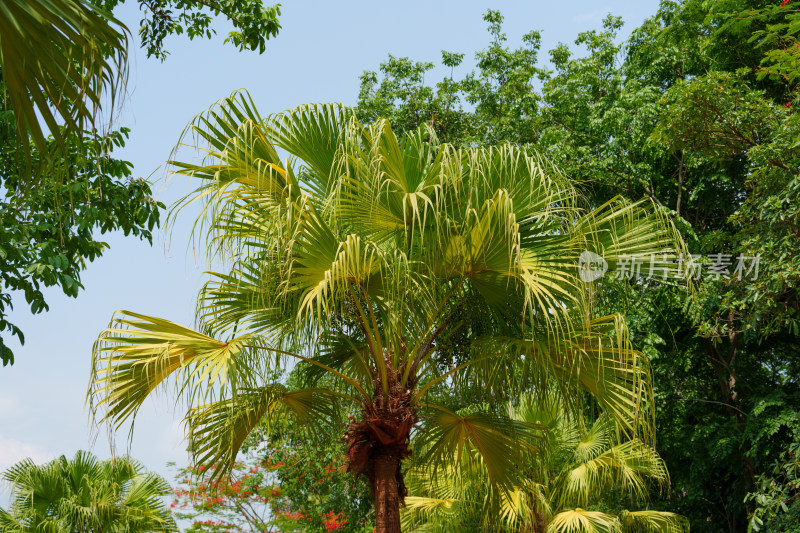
[496, 441]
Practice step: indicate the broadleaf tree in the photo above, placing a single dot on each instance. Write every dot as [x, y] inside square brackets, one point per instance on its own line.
[253, 22]
[49, 234]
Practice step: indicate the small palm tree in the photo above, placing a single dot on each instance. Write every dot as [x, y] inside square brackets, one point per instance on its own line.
[356, 256]
[575, 466]
[84, 495]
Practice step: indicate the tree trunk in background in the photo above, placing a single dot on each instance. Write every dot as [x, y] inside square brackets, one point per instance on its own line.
[386, 490]
[539, 524]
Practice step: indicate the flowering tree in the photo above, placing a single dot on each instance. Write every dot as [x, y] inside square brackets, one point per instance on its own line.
[235, 502]
[285, 487]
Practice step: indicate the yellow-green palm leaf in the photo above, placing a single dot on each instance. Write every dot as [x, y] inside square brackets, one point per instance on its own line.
[582, 521]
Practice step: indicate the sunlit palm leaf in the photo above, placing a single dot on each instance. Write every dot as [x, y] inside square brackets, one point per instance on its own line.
[238, 301]
[497, 441]
[631, 466]
[581, 521]
[635, 239]
[423, 514]
[595, 440]
[314, 134]
[138, 353]
[595, 356]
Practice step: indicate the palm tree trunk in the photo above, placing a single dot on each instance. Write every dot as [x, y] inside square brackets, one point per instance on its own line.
[386, 490]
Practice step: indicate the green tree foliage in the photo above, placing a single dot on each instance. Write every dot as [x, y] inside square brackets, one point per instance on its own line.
[254, 24]
[49, 233]
[351, 259]
[85, 495]
[501, 93]
[60, 59]
[698, 110]
[777, 495]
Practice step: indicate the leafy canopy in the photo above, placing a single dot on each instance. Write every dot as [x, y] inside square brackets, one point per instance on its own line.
[254, 24]
[48, 235]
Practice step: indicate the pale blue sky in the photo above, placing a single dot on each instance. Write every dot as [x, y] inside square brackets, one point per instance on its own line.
[318, 57]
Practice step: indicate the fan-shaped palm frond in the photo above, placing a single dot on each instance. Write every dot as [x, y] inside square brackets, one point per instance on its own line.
[497, 441]
[139, 353]
[653, 522]
[217, 430]
[582, 521]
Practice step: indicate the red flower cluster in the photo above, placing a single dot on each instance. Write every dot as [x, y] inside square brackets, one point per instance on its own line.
[333, 521]
[214, 523]
[292, 516]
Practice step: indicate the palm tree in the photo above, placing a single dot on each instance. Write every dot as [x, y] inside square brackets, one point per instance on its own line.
[357, 256]
[576, 465]
[84, 495]
[58, 60]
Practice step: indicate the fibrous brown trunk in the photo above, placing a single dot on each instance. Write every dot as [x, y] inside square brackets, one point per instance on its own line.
[386, 493]
[378, 443]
